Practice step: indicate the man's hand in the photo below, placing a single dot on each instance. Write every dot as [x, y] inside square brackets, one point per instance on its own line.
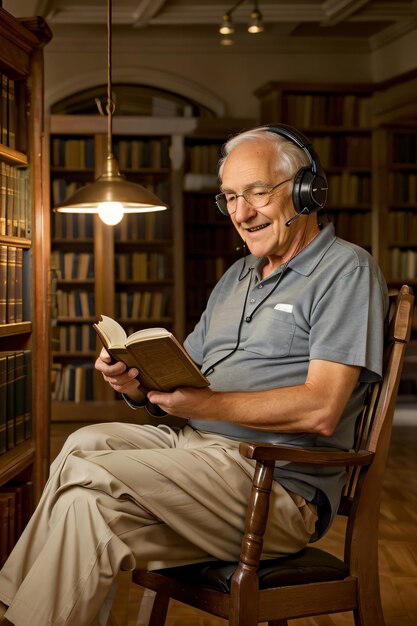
[185, 402]
[119, 377]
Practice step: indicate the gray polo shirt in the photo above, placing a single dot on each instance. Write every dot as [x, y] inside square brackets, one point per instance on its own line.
[329, 302]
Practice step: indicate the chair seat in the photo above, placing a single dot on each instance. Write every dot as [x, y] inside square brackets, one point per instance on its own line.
[310, 565]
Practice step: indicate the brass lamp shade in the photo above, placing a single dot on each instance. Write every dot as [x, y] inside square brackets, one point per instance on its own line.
[112, 187]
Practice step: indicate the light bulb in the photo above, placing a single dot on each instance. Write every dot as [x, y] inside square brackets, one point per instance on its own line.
[255, 22]
[226, 26]
[110, 213]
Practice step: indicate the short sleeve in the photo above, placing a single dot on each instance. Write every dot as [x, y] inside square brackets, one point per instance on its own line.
[347, 324]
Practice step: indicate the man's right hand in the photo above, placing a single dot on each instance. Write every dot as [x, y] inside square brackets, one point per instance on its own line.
[120, 378]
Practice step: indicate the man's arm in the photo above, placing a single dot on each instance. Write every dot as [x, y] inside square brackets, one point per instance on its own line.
[315, 406]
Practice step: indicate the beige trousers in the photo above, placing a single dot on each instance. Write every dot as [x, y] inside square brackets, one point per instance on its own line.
[121, 496]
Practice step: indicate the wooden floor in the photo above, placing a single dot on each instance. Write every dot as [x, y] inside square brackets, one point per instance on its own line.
[397, 553]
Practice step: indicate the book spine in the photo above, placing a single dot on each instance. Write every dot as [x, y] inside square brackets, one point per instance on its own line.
[3, 403]
[3, 284]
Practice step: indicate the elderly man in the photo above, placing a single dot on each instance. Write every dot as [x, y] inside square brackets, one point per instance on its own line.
[291, 337]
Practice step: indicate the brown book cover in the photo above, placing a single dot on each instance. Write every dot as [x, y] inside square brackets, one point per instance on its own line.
[11, 113]
[17, 491]
[3, 284]
[3, 401]
[10, 393]
[18, 290]
[11, 285]
[9, 498]
[4, 530]
[162, 362]
[4, 87]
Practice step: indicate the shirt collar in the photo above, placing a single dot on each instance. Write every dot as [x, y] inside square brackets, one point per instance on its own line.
[307, 260]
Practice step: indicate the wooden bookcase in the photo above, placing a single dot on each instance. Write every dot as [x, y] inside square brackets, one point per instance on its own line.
[211, 242]
[24, 260]
[395, 193]
[132, 271]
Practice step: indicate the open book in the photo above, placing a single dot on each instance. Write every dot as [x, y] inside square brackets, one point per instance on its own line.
[162, 362]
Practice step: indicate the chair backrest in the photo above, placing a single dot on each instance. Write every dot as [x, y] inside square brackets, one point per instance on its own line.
[362, 494]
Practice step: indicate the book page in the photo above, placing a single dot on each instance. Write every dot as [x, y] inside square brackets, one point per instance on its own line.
[115, 334]
[147, 333]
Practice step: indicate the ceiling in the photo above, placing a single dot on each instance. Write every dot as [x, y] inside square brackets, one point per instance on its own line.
[365, 24]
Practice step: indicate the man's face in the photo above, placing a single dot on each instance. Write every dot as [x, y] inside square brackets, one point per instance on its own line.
[252, 165]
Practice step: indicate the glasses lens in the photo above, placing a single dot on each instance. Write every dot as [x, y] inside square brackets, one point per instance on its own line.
[257, 197]
[222, 203]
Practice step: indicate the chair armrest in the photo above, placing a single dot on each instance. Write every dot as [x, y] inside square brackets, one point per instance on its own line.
[311, 456]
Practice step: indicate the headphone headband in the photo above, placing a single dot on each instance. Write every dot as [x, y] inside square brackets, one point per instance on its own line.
[310, 183]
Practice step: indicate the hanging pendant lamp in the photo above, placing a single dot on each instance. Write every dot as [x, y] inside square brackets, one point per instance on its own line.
[111, 195]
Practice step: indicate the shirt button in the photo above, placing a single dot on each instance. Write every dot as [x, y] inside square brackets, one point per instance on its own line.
[260, 286]
[252, 301]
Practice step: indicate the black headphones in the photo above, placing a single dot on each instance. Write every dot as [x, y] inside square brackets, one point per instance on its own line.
[310, 183]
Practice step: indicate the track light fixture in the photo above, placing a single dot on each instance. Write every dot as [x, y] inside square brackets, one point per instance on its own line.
[255, 23]
[227, 27]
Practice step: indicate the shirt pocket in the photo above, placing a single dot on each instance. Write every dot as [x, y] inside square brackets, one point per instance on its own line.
[273, 334]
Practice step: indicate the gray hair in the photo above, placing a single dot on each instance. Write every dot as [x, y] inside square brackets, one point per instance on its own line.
[290, 157]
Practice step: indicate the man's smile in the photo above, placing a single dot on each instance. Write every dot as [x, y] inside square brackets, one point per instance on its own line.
[255, 228]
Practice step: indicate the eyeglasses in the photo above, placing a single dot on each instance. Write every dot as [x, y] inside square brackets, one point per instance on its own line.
[257, 197]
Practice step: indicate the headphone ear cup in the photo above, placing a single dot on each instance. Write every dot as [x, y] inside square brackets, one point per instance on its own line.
[309, 191]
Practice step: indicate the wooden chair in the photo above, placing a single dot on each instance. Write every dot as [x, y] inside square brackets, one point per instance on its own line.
[311, 582]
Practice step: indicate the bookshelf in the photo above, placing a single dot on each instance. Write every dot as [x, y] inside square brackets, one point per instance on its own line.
[132, 271]
[338, 120]
[210, 239]
[24, 253]
[395, 195]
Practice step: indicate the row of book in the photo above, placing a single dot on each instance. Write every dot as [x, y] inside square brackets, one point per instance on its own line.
[75, 303]
[61, 189]
[404, 148]
[73, 338]
[348, 189]
[207, 270]
[136, 154]
[306, 110]
[15, 398]
[72, 153]
[402, 264]
[72, 265]
[202, 209]
[8, 111]
[144, 227]
[343, 150]
[73, 226]
[142, 266]
[196, 300]
[16, 506]
[354, 226]
[143, 306]
[202, 158]
[15, 201]
[73, 382]
[403, 187]
[402, 226]
[11, 284]
[202, 240]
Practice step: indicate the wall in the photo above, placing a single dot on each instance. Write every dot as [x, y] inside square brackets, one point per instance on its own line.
[223, 78]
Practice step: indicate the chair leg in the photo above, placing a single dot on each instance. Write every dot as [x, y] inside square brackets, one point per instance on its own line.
[369, 615]
[153, 609]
